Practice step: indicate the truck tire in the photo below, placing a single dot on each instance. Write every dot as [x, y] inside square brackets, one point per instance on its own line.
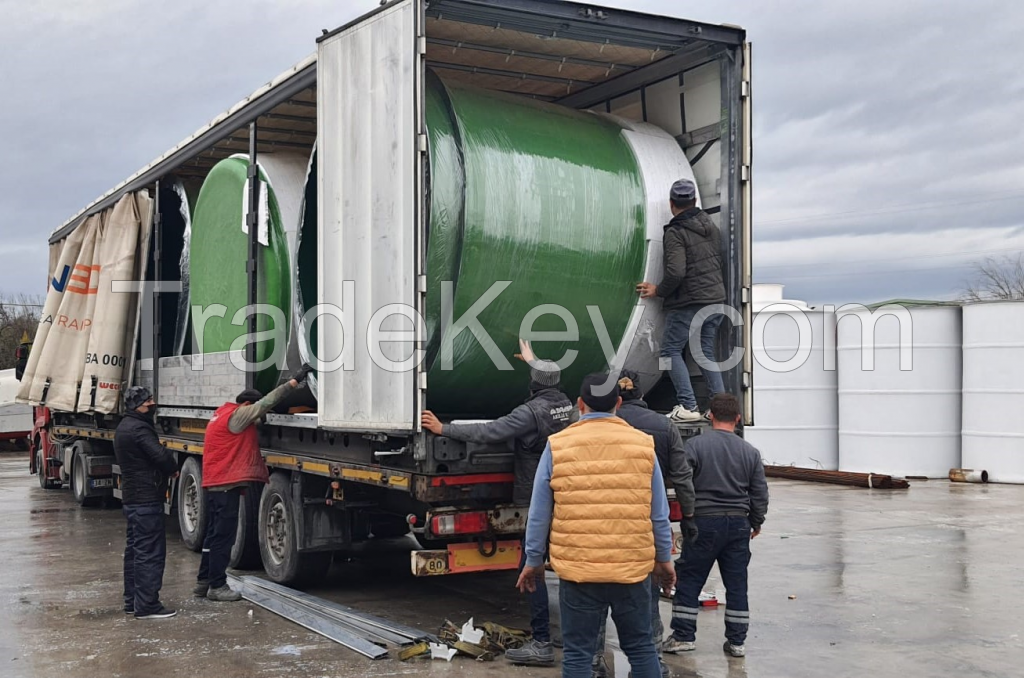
[44, 482]
[245, 554]
[191, 507]
[278, 533]
[79, 477]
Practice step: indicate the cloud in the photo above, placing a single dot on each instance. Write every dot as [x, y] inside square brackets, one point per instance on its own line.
[882, 129]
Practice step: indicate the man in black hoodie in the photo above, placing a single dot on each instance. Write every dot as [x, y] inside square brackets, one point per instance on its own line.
[527, 427]
[692, 279]
[146, 467]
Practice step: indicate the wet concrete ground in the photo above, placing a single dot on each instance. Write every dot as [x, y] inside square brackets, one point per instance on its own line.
[922, 582]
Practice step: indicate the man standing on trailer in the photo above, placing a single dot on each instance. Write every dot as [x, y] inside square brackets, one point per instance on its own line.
[692, 279]
[732, 500]
[671, 455]
[528, 426]
[232, 460]
[600, 492]
[146, 467]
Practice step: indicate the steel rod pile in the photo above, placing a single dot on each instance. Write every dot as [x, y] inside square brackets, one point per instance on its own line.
[870, 480]
[366, 634]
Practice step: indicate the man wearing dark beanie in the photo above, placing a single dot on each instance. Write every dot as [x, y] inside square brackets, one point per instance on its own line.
[232, 460]
[600, 493]
[528, 426]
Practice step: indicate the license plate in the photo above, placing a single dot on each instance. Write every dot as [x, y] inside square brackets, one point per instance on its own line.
[102, 482]
[468, 558]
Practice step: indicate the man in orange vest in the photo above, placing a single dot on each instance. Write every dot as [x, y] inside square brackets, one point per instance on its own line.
[600, 493]
[232, 460]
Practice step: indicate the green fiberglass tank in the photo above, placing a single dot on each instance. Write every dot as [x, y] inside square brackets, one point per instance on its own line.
[561, 208]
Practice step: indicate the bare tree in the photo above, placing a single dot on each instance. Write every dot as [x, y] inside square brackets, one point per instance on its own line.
[996, 278]
[19, 314]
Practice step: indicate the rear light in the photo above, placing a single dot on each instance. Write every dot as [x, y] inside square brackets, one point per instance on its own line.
[474, 522]
[675, 511]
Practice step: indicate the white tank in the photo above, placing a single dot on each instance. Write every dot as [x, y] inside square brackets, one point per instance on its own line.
[903, 422]
[993, 404]
[796, 409]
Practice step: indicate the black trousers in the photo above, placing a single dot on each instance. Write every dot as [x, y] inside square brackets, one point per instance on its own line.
[221, 527]
[145, 551]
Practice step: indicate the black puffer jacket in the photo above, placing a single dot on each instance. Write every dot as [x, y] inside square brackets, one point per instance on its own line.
[692, 261]
[145, 463]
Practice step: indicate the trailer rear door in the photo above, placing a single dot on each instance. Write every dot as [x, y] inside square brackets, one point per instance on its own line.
[371, 151]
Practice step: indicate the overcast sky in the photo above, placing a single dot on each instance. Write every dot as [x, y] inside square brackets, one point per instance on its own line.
[888, 139]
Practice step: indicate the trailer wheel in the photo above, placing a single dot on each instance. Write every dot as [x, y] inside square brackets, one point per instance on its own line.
[191, 508]
[282, 560]
[79, 478]
[44, 482]
[245, 554]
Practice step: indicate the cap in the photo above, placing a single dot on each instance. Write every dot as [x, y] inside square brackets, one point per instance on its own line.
[135, 397]
[249, 395]
[629, 385]
[600, 392]
[683, 190]
[545, 372]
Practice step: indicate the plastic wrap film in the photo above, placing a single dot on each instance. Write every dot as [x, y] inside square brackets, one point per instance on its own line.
[554, 204]
[305, 272]
[218, 251]
[182, 212]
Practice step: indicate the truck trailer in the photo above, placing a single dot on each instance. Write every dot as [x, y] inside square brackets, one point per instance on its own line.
[428, 158]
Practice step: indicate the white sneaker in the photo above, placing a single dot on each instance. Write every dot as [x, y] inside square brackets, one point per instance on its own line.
[683, 415]
[673, 646]
[734, 650]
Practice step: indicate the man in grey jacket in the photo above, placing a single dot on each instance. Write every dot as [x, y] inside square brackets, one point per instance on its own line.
[677, 472]
[692, 279]
[731, 503]
[527, 427]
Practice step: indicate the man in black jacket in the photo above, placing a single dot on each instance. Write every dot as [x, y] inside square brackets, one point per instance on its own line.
[668, 446]
[692, 279]
[146, 468]
[527, 427]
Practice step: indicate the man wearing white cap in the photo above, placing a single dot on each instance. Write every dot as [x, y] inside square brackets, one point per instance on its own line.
[692, 279]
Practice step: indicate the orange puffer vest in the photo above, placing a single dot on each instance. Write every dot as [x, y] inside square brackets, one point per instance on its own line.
[601, 530]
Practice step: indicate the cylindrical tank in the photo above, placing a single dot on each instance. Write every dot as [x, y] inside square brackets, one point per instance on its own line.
[899, 390]
[993, 424]
[796, 408]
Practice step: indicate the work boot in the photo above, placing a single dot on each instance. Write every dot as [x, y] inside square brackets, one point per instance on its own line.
[223, 594]
[599, 669]
[533, 653]
[201, 589]
[672, 645]
[682, 415]
[734, 650]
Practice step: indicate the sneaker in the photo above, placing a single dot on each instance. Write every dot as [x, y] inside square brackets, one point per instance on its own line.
[665, 673]
[707, 416]
[599, 669]
[201, 589]
[129, 610]
[534, 653]
[734, 650]
[673, 645]
[223, 594]
[684, 416]
[162, 613]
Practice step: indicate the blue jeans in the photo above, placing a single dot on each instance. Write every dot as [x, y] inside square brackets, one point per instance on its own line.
[221, 528]
[144, 553]
[727, 540]
[584, 610]
[673, 343]
[657, 628]
[540, 613]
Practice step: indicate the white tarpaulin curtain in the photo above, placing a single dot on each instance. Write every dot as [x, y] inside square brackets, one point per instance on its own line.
[82, 329]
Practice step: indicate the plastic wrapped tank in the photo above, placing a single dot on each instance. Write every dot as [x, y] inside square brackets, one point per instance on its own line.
[903, 422]
[993, 427]
[796, 406]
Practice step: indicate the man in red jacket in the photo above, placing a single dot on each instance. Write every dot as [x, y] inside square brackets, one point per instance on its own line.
[232, 460]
